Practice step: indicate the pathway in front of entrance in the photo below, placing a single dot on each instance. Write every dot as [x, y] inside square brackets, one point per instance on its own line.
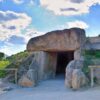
[51, 90]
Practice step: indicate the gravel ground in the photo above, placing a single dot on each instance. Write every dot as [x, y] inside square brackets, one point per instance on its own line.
[51, 90]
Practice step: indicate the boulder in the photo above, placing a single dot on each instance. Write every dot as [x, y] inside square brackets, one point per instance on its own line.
[30, 78]
[33, 75]
[26, 82]
[68, 75]
[78, 79]
[74, 77]
[28, 71]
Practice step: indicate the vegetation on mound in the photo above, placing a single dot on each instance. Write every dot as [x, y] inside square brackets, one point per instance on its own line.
[89, 56]
[94, 54]
[13, 61]
[1, 55]
[18, 56]
[3, 65]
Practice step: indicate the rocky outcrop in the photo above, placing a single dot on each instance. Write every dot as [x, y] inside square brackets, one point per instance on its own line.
[75, 78]
[29, 79]
[92, 43]
[28, 71]
[78, 79]
[62, 40]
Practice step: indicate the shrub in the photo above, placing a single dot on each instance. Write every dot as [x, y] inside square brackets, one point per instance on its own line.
[2, 73]
[1, 55]
[3, 65]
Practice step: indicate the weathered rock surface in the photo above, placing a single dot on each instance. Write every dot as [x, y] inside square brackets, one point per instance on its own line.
[93, 43]
[78, 79]
[68, 75]
[28, 71]
[75, 78]
[26, 82]
[62, 40]
[30, 77]
[68, 79]
[77, 55]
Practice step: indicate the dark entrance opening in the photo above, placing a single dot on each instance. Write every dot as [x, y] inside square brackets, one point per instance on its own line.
[63, 58]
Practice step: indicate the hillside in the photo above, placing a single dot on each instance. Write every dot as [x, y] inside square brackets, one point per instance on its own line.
[13, 61]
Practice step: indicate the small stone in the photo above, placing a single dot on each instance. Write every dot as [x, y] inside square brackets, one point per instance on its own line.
[7, 89]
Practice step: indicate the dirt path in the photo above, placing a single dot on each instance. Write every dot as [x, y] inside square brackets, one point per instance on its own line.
[51, 90]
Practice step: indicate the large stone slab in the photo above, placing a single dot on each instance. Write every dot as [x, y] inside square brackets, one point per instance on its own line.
[61, 40]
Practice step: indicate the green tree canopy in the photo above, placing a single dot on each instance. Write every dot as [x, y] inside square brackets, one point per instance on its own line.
[1, 55]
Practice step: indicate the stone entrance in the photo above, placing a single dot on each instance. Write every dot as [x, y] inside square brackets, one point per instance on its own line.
[55, 63]
[55, 50]
[63, 58]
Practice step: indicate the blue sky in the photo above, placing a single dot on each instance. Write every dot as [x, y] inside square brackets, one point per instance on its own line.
[21, 20]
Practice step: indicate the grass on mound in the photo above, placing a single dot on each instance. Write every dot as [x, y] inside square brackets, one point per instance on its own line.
[18, 56]
[12, 61]
[89, 56]
[94, 54]
[3, 65]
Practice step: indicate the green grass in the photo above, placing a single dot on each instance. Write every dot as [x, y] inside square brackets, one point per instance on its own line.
[4, 63]
[89, 56]
[94, 54]
[13, 61]
[18, 56]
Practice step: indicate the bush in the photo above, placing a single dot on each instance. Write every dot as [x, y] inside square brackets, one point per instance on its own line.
[92, 53]
[88, 56]
[2, 73]
[18, 56]
[86, 69]
[3, 65]
[1, 55]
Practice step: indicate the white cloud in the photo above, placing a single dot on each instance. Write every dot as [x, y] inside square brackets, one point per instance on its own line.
[10, 49]
[1, 0]
[30, 33]
[69, 7]
[18, 1]
[12, 23]
[77, 23]
[15, 24]
[27, 2]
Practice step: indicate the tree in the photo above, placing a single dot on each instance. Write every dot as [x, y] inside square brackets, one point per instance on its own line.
[1, 55]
